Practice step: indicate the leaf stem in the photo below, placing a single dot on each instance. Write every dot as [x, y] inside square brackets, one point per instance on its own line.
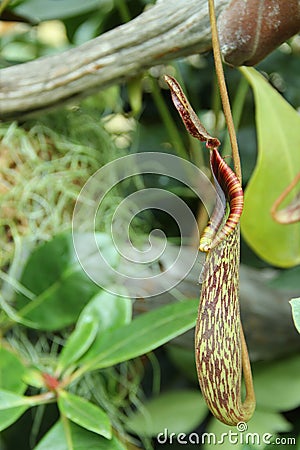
[40, 399]
[123, 10]
[67, 430]
[237, 109]
[223, 90]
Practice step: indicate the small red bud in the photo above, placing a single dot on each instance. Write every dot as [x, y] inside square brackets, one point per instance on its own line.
[50, 382]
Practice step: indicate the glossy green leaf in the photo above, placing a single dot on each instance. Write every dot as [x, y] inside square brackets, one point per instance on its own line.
[295, 303]
[11, 400]
[84, 413]
[278, 162]
[33, 377]
[104, 312]
[277, 384]
[177, 411]
[12, 372]
[9, 416]
[79, 439]
[12, 406]
[143, 334]
[60, 285]
[78, 343]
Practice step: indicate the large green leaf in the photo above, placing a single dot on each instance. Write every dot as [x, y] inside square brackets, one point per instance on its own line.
[11, 372]
[78, 343]
[78, 439]
[278, 162]
[295, 304]
[176, 411]
[143, 334]
[104, 312]
[277, 384]
[12, 406]
[60, 285]
[11, 400]
[84, 413]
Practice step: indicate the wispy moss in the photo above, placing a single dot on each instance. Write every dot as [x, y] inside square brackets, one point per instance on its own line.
[43, 166]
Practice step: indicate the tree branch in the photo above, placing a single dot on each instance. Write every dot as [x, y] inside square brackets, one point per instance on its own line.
[168, 30]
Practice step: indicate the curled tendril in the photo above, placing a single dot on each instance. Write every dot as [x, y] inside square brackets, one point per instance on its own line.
[291, 213]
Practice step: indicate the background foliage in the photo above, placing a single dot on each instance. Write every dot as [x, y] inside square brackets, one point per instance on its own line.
[116, 399]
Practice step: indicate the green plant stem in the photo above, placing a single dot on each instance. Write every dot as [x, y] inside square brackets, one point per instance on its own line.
[40, 399]
[216, 107]
[67, 430]
[223, 90]
[3, 5]
[167, 119]
[123, 10]
[17, 286]
[156, 383]
[237, 109]
[74, 376]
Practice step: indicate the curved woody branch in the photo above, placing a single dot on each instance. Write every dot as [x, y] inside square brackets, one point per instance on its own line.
[168, 30]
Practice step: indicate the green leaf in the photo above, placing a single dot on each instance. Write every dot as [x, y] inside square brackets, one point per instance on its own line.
[11, 372]
[177, 411]
[143, 334]
[81, 439]
[277, 384]
[33, 377]
[78, 343]
[286, 279]
[184, 359]
[9, 416]
[12, 406]
[104, 312]
[47, 9]
[11, 400]
[268, 422]
[295, 304]
[84, 413]
[277, 165]
[60, 285]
